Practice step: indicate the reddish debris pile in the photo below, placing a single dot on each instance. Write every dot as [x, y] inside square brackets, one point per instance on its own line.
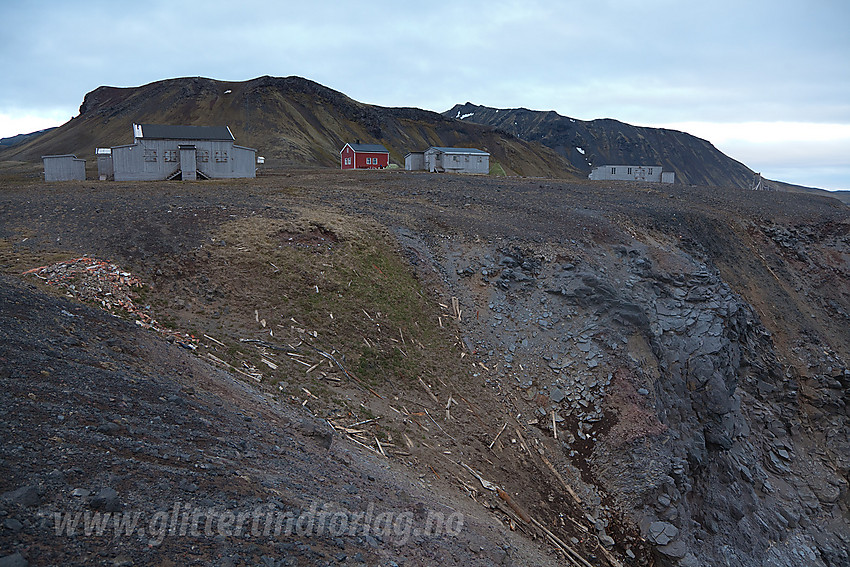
[104, 284]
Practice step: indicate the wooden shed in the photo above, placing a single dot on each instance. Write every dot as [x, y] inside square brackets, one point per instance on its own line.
[64, 168]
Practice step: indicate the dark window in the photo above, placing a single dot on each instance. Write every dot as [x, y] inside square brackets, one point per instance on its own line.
[203, 156]
[169, 155]
[220, 156]
[150, 155]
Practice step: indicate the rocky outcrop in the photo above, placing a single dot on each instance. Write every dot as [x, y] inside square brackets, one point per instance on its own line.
[667, 395]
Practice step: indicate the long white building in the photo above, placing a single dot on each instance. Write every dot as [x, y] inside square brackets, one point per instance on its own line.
[651, 173]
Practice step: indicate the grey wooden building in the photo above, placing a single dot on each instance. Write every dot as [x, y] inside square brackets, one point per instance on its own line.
[64, 168]
[455, 160]
[651, 173]
[181, 152]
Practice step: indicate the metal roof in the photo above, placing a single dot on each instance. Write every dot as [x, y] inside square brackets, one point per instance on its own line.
[161, 131]
[368, 148]
[459, 150]
[63, 156]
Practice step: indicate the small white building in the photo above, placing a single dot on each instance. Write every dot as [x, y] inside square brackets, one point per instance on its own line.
[64, 168]
[651, 173]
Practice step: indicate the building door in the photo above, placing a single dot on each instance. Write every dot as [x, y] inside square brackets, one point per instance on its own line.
[188, 163]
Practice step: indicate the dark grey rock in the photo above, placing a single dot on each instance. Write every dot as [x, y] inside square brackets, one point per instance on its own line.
[13, 524]
[106, 500]
[108, 428]
[25, 496]
[556, 395]
[321, 433]
[675, 550]
[14, 560]
[662, 533]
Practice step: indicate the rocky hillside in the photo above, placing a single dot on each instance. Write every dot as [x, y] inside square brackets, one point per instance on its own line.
[587, 144]
[618, 374]
[290, 121]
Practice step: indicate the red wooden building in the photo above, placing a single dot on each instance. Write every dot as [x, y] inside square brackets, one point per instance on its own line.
[364, 156]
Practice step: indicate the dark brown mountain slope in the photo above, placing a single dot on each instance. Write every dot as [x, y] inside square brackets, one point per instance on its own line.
[587, 144]
[290, 121]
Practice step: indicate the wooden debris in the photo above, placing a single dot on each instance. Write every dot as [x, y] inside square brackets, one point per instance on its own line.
[206, 336]
[472, 409]
[105, 284]
[563, 482]
[554, 425]
[571, 554]
[522, 441]
[497, 435]
[514, 506]
[381, 449]
[429, 392]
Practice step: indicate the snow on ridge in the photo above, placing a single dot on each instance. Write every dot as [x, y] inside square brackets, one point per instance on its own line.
[462, 116]
[579, 150]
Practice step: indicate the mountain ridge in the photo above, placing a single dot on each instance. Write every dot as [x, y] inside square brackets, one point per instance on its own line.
[602, 141]
[291, 121]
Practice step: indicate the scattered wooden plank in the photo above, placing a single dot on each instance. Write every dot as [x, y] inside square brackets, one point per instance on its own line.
[497, 435]
[206, 336]
[429, 392]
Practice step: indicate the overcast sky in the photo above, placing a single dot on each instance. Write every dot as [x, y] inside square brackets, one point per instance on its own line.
[767, 82]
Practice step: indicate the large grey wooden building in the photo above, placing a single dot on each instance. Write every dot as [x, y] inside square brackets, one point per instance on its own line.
[181, 152]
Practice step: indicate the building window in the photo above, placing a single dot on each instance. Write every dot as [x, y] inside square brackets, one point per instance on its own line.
[613, 170]
[220, 156]
[456, 158]
[650, 171]
[630, 171]
[169, 155]
[150, 155]
[203, 156]
[348, 161]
